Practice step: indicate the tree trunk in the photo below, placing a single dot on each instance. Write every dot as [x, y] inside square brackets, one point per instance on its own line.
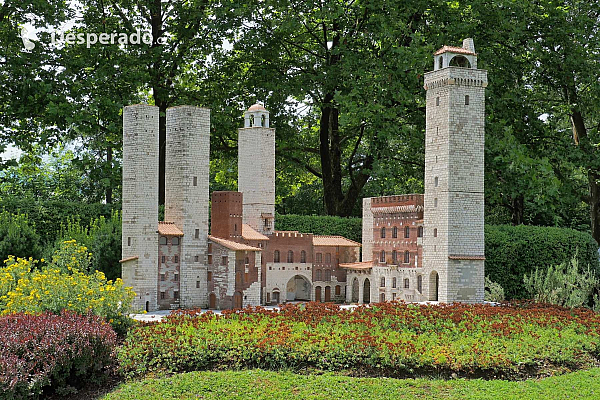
[594, 202]
[517, 210]
[160, 98]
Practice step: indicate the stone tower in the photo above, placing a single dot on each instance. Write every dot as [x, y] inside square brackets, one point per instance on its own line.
[453, 243]
[186, 196]
[256, 169]
[140, 204]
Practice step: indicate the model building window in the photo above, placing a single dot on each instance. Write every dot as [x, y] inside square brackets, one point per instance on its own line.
[327, 275]
[406, 283]
[276, 256]
[382, 297]
[394, 255]
[176, 277]
[394, 282]
[209, 276]
[176, 295]
[163, 240]
[175, 241]
[162, 295]
[128, 241]
[303, 256]
[407, 231]
[164, 259]
[435, 232]
[382, 282]
[176, 259]
[197, 284]
[436, 181]
[196, 258]
[406, 257]
[383, 233]
[247, 261]
[338, 290]
[197, 233]
[318, 274]
[290, 257]
[195, 181]
[395, 232]
[420, 283]
[382, 256]
[224, 260]
[163, 277]
[319, 258]
[327, 258]
[466, 100]
[437, 101]
[420, 231]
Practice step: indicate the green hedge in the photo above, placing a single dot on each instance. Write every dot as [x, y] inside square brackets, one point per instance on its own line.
[350, 228]
[513, 251]
[48, 215]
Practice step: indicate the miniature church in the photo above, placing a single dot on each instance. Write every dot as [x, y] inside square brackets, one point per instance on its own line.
[415, 247]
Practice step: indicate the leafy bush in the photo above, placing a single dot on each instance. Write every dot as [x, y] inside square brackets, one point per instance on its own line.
[393, 339]
[46, 216]
[102, 237]
[17, 236]
[563, 285]
[61, 285]
[350, 228]
[493, 291]
[514, 251]
[51, 351]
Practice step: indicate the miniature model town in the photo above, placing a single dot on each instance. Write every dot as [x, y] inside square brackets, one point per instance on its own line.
[415, 247]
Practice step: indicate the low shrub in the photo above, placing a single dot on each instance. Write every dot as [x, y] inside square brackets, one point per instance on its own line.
[52, 352]
[391, 339]
[493, 291]
[18, 236]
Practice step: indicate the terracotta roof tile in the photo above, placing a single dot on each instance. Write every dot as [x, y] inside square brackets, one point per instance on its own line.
[396, 209]
[128, 259]
[169, 229]
[233, 245]
[464, 257]
[453, 49]
[249, 233]
[257, 107]
[334, 241]
[358, 265]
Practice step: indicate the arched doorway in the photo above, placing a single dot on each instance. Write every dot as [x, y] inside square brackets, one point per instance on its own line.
[237, 300]
[147, 306]
[434, 286]
[212, 301]
[327, 293]
[318, 293]
[355, 294]
[298, 288]
[367, 291]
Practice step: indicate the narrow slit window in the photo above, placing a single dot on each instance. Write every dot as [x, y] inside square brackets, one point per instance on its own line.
[467, 100]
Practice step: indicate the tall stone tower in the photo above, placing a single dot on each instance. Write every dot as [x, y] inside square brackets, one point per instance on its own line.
[186, 196]
[256, 169]
[453, 243]
[140, 204]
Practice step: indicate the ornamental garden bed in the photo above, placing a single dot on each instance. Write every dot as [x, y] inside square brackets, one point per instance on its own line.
[511, 341]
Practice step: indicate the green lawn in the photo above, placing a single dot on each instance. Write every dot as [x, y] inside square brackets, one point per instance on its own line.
[259, 384]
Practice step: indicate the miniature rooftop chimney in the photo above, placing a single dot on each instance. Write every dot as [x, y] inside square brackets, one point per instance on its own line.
[450, 56]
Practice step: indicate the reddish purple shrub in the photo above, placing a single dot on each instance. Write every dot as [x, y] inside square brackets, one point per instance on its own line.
[51, 351]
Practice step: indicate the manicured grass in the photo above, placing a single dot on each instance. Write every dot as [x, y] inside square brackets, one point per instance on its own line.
[259, 384]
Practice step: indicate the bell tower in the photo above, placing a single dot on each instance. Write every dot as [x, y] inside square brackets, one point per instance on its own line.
[256, 169]
[453, 242]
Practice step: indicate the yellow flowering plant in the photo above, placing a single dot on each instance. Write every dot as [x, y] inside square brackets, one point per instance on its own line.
[63, 285]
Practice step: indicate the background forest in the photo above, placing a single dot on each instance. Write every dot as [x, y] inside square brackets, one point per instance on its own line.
[343, 81]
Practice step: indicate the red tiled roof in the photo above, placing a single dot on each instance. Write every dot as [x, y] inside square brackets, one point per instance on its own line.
[464, 257]
[249, 233]
[334, 241]
[396, 209]
[128, 259]
[453, 49]
[257, 107]
[169, 229]
[233, 245]
[358, 265]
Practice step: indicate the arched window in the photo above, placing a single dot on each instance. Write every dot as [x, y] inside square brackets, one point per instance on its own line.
[303, 256]
[263, 120]
[290, 257]
[460, 61]
[382, 297]
[327, 258]
[420, 231]
[319, 275]
[163, 240]
[407, 231]
[406, 283]
[382, 283]
[383, 233]
[394, 255]
[420, 283]
[466, 100]
[441, 63]
[436, 181]
[338, 290]
[406, 257]
[394, 282]
[251, 120]
[319, 258]
[327, 275]
[395, 232]
[435, 232]
[175, 241]
[382, 256]
[276, 256]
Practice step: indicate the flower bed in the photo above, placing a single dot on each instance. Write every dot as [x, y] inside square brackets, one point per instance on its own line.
[392, 339]
[43, 351]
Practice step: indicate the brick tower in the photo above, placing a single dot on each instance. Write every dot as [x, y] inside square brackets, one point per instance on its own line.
[256, 169]
[140, 204]
[186, 196]
[453, 243]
